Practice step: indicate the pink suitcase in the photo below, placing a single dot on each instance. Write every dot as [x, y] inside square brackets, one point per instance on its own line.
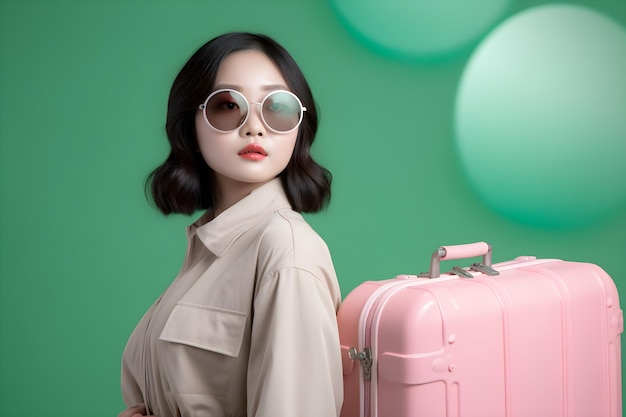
[525, 338]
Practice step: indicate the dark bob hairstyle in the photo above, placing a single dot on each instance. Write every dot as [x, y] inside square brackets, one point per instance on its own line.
[184, 182]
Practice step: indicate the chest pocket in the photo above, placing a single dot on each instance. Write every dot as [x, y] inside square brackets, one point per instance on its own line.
[211, 328]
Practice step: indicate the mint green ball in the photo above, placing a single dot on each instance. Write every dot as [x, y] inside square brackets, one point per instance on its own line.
[419, 28]
[540, 117]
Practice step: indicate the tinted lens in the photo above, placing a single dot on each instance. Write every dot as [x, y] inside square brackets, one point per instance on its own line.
[282, 111]
[226, 110]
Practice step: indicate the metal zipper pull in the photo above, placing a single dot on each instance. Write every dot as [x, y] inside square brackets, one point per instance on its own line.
[366, 360]
[485, 269]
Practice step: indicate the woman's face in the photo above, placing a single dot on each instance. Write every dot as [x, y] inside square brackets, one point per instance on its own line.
[251, 154]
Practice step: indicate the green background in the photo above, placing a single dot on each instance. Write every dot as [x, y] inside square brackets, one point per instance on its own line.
[83, 91]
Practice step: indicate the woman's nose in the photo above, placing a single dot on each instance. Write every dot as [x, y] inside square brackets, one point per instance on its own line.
[254, 126]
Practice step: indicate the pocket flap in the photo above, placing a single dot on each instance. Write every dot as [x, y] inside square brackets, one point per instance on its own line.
[205, 327]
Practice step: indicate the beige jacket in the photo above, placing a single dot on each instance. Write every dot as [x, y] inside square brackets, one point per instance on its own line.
[248, 327]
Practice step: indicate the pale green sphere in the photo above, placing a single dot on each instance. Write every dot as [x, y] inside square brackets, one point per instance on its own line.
[419, 29]
[541, 117]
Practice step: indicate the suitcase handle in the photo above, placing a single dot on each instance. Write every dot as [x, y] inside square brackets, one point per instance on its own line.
[469, 250]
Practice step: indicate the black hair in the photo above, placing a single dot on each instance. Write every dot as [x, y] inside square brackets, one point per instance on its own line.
[184, 182]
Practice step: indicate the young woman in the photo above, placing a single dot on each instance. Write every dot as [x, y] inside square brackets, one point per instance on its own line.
[248, 326]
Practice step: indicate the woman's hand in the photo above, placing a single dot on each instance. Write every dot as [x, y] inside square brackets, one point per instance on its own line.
[136, 411]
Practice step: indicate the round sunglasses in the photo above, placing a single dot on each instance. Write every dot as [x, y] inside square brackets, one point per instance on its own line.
[226, 110]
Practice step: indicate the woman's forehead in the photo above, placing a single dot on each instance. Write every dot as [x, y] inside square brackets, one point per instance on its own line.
[249, 69]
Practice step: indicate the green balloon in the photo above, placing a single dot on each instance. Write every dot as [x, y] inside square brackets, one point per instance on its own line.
[541, 117]
[419, 28]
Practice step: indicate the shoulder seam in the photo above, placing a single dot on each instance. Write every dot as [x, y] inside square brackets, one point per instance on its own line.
[274, 275]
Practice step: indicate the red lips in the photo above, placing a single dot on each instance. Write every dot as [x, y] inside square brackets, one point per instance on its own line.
[253, 151]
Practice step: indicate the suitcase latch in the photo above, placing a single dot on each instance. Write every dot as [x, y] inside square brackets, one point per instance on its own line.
[485, 269]
[457, 270]
[365, 357]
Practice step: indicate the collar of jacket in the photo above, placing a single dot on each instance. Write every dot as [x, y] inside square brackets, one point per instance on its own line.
[220, 233]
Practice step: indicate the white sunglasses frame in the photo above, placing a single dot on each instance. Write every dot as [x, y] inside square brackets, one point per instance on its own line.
[250, 103]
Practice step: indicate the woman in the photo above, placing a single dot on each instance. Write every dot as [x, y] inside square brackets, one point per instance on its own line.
[248, 326]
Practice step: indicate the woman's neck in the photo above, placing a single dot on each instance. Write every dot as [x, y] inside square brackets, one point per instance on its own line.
[229, 191]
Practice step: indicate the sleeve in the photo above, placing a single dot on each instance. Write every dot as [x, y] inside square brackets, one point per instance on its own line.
[295, 359]
[131, 391]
